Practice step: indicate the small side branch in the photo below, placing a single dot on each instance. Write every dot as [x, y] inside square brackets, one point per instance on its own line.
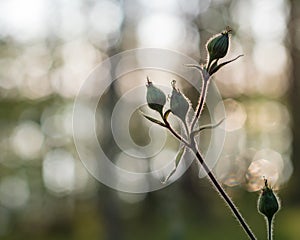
[206, 127]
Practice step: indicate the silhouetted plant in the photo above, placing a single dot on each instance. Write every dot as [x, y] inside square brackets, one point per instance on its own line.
[217, 48]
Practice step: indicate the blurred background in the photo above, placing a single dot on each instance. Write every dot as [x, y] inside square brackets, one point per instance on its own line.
[48, 48]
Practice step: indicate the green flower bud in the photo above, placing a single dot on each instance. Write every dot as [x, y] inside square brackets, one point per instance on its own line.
[179, 103]
[218, 45]
[268, 203]
[156, 98]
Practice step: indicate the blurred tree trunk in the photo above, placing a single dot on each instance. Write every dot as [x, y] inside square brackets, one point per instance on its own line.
[107, 199]
[294, 96]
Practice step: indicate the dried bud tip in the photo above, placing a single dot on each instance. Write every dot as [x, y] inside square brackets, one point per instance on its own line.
[227, 30]
[173, 84]
[148, 81]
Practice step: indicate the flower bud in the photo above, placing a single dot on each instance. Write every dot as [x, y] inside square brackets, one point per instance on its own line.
[179, 103]
[218, 45]
[156, 99]
[268, 203]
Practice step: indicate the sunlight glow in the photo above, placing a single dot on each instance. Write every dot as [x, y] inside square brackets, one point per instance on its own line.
[235, 114]
[27, 140]
[161, 30]
[59, 172]
[268, 19]
[270, 58]
[259, 170]
[24, 20]
[106, 18]
[268, 164]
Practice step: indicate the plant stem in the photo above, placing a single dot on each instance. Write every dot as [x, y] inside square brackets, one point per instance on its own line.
[269, 225]
[217, 185]
[192, 145]
[224, 195]
[214, 181]
[202, 98]
[180, 138]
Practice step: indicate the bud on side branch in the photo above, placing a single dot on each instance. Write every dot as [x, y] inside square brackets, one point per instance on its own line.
[156, 98]
[179, 103]
[217, 47]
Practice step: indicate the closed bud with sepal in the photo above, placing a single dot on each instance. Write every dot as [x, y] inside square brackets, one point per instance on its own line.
[268, 203]
[156, 98]
[218, 45]
[179, 103]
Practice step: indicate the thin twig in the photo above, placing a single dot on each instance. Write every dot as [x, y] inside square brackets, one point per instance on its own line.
[192, 146]
[215, 183]
[224, 195]
[269, 226]
[186, 129]
[205, 127]
[202, 98]
[183, 140]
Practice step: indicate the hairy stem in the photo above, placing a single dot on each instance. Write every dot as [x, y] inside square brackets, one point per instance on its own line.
[180, 138]
[192, 146]
[224, 195]
[269, 225]
[202, 99]
[216, 184]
